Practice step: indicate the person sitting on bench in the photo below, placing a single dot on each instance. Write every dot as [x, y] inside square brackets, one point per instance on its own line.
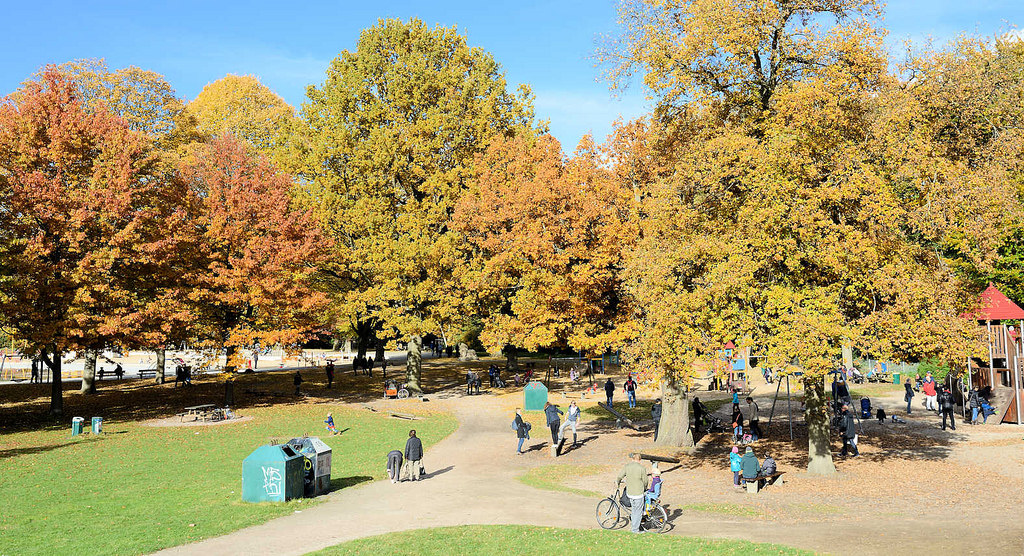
[750, 467]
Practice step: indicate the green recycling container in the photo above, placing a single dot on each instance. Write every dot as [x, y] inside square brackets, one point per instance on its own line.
[97, 425]
[895, 378]
[536, 395]
[272, 473]
[76, 425]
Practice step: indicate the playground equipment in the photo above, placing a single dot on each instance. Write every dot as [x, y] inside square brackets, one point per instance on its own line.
[998, 314]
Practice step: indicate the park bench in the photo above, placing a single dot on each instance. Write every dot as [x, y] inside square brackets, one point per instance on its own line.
[112, 372]
[151, 373]
[197, 412]
[754, 486]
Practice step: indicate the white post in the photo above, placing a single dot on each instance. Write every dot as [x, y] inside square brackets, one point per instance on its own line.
[991, 368]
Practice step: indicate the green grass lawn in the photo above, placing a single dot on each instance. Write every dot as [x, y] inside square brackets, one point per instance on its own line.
[553, 477]
[521, 539]
[137, 489]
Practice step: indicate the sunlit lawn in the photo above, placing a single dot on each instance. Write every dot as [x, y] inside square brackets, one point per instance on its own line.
[521, 539]
[136, 489]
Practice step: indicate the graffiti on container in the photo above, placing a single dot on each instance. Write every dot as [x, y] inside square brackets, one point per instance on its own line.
[272, 481]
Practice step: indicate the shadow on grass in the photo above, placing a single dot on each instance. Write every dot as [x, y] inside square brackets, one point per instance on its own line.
[24, 407]
[15, 452]
[345, 482]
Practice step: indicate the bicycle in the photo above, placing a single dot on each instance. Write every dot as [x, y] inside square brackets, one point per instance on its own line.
[609, 514]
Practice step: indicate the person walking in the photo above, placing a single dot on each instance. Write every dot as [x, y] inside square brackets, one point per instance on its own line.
[572, 417]
[909, 395]
[35, 372]
[975, 403]
[848, 428]
[297, 380]
[735, 463]
[609, 390]
[737, 423]
[329, 369]
[629, 387]
[928, 387]
[947, 406]
[755, 423]
[413, 456]
[656, 415]
[522, 430]
[635, 476]
[551, 412]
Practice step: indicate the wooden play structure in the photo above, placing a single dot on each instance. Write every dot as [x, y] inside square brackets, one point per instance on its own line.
[1002, 320]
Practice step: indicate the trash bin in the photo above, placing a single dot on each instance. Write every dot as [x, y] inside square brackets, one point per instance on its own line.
[317, 467]
[76, 425]
[97, 425]
[272, 473]
[536, 395]
[895, 378]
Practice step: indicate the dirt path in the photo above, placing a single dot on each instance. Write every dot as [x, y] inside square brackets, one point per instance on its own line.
[473, 480]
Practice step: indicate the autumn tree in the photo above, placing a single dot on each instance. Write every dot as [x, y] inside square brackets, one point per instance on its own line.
[546, 237]
[392, 135]
[779, 223]
[259, 252]
[85, 210]
[241, 106]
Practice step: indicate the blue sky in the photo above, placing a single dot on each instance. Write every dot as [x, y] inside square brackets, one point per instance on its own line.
[548, 44]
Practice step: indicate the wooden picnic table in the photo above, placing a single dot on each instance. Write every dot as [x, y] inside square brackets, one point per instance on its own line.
[197, 411]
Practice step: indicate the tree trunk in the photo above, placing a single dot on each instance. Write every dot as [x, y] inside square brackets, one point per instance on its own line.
[335, 342]
[161, 365]
[363, 332]
[674, 429]
[89, 373]
[819, 453]
[56, 384]
[414, 364]
[511, 358]
[229, 360]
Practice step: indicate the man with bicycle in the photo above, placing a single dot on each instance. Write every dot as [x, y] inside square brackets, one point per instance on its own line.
[635, 476]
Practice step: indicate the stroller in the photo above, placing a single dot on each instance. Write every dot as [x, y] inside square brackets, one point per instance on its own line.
[715, 424]
[865, 408]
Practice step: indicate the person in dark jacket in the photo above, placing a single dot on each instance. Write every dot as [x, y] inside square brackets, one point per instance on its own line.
[394, 465]
[297, 380]
[848, 428]
[909, 395]
[551, 412]
[749, 466]
[975, 403]
[522, 430]
[656, 415]
[413, 456]
[947, 407]
[609, 390]
[699, 411]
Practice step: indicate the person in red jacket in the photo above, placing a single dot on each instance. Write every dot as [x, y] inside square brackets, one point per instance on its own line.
[928, 387]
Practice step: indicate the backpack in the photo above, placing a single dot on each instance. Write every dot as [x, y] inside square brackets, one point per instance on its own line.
[768, 467]
[514, 427]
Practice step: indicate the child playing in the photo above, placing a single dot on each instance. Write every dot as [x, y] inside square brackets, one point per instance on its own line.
[734, 464]
[330, 424]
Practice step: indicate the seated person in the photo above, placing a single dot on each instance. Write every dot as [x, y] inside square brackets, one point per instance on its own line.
[750, 468]
[654, 491]
[699, 411]
[768, 467]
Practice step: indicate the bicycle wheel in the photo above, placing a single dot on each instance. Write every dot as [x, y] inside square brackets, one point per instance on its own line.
[607, 513]
[655, 519]
[403, 393]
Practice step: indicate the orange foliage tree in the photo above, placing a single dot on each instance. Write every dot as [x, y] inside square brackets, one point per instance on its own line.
[259, 252]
